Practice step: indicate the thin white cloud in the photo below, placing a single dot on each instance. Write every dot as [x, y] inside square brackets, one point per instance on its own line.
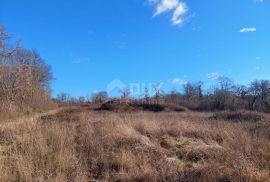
[214, 75]
[179, 11]
[258, 1]
[178, 81]
[246, 30]
[177, 7]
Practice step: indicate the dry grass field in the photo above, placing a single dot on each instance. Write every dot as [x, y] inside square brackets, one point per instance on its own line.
[87, 145]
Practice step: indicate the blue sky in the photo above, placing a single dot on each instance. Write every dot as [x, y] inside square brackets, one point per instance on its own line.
[90, 43]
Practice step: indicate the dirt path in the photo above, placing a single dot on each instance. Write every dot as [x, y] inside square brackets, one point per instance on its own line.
[11, 123]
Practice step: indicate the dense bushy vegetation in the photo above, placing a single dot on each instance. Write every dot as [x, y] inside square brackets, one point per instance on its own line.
[24, 78]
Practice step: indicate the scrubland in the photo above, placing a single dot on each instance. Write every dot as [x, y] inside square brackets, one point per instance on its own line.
[174, 136]
[86, 145]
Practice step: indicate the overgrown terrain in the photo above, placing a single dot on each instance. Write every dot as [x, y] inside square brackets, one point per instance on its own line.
[81, 144]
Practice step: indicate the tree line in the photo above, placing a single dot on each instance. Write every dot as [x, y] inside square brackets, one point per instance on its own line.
[24, 78]
[225, 95]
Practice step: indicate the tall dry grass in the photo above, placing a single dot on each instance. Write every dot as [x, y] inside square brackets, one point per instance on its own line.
[79, 145]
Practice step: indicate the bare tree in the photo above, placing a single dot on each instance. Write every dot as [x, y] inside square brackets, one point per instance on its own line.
[24, 76]
[63, 97]
[82, 99]
[193, 91]
[189, 91]
[100, 97]
[173, 97]
[200, 89]
[259, 93]
[240, 91]
[146, 95]
[222, 94]
[125, 92]
[158, 92]
[225, 83]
